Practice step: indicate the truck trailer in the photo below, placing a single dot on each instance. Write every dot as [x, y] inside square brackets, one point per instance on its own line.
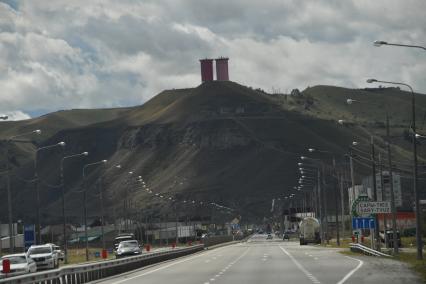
[309, 231]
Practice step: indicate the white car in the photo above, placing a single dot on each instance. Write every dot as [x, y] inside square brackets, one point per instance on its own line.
[19, 264]
[45, 256]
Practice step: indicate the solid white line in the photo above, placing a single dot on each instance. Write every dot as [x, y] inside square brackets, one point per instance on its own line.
[162, 267]
[352, 271]
[307, 273]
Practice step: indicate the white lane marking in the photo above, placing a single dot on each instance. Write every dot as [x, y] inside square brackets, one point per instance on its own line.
[352, 271]
[163, 267]
[307, 273]
[316, 258]
[212, 279]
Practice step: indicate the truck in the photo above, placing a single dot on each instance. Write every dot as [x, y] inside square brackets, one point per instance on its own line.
[309, 231]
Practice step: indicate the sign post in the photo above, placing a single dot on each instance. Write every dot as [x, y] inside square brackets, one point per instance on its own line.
[29, 236]
[369, 207]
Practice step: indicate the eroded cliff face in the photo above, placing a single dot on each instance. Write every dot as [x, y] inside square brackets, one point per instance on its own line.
[214, 134]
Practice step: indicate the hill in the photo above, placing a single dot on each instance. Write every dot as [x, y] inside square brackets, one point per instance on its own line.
[219, 142]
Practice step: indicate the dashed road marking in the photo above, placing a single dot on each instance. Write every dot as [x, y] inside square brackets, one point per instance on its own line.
[301, 268]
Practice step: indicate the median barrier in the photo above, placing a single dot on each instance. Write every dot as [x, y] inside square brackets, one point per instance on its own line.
[83, 273]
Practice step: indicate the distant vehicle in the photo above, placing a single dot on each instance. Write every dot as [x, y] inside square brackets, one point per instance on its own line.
[44, 256]
[309, 231]
[122, 237]
[269, 237]
[388, 238]
[205, 236]
[60, 253]
[128, 248]
[19, 264]
[286, 236]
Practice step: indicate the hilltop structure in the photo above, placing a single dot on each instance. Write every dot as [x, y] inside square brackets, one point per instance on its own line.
[222, 73]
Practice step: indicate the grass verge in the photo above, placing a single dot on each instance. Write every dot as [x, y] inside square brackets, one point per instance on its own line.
[411, 259]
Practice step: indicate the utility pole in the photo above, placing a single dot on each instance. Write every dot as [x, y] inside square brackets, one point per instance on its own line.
[373, 166]
[342, 201]
[324, 200]
[336, 202]
[102, 213]
[9, 202]
[319, 206]
[385, 225]
[393, 207]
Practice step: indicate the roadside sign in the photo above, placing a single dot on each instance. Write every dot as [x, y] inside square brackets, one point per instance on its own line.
[363, 223]
[29, 236]
[370, 207]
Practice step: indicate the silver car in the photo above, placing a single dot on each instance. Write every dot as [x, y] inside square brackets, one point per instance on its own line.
[128, 248]
[19, 264]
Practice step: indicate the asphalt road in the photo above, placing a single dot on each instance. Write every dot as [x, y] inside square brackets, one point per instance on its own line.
[261, 261]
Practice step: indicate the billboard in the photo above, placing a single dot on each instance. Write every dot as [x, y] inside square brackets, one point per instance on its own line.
[385, 194]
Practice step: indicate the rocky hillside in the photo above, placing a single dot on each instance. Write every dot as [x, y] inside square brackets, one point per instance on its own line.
[219, 142]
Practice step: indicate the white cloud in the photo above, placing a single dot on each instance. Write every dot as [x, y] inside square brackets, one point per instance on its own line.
[70, 54]
[16, 115]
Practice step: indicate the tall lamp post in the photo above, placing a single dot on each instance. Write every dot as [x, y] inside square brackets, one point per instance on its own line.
[336, 205]
[9, 194]
[416, 192]
[380, 43]
[101, 197]
[61, 144]
[85, 203]
[415, 182]
[64, 233]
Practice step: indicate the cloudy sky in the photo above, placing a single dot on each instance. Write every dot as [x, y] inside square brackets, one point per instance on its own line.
[62, 54]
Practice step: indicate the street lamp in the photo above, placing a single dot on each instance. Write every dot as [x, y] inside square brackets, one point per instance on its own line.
[127, 203]
[60, 144]
[85, 203]
[380, 43]
[101, 197]
[64, 233]
[336, 205]
[9, 194]
[419, 241]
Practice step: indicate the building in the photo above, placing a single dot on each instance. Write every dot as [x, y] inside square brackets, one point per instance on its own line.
[385, 194]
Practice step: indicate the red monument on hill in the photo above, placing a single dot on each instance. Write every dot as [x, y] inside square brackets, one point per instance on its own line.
[206, 70]
[222, 69]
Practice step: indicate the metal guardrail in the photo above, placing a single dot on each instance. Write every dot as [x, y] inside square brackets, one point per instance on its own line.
[366, 250]
[83, 273]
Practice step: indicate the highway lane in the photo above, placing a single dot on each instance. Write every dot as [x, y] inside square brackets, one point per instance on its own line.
[271, 261]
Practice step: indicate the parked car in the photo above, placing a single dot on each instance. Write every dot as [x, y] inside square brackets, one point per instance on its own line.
[44, 256]
[128, 248]
[269, 237]
[19, 264]
[388, 238]
[60, 253]
[122, 237]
